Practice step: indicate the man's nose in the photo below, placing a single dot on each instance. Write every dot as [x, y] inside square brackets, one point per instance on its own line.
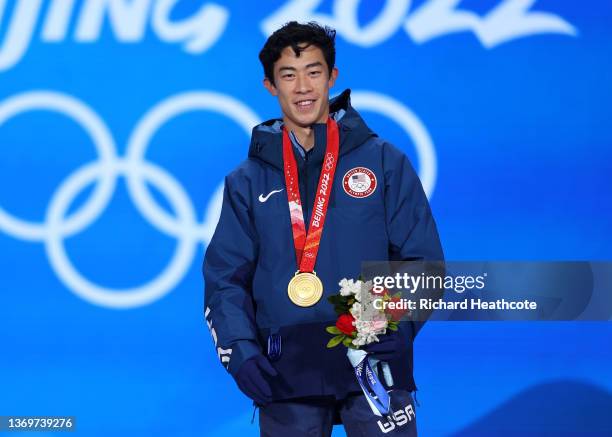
[302, 84]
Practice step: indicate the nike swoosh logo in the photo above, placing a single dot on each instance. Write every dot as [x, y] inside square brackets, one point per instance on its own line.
[263, 198]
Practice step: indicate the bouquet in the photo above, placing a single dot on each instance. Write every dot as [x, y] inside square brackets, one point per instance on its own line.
[359, 323]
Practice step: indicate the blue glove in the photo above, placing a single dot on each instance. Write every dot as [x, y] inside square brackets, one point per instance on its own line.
[252, 381]
[389, 346]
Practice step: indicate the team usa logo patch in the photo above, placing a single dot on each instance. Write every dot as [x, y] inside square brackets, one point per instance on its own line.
[359, 182]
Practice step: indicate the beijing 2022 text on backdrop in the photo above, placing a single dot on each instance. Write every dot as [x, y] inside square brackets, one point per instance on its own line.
[119, 119]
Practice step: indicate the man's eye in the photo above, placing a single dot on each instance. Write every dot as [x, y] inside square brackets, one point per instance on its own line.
[288, 76]
[315, 73]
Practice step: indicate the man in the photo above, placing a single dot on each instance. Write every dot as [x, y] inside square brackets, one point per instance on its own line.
[318, 194]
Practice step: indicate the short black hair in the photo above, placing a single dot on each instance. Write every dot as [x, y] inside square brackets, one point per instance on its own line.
[298, 36]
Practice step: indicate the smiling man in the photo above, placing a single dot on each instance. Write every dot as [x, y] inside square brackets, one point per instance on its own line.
[301, 80]
[318, 194]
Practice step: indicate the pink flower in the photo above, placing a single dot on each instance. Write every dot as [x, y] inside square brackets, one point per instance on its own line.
[379, 325]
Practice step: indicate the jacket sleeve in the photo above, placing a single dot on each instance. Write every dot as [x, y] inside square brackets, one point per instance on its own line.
[413, 235]
[228, 268]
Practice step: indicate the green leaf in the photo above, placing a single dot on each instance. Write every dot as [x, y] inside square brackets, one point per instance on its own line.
[392, 327]
[341, 309]
[335, 341]
[348, 341]
[337, 299]
[333, 330]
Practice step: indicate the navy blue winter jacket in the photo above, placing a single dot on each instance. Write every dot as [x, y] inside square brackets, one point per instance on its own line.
[251, 257]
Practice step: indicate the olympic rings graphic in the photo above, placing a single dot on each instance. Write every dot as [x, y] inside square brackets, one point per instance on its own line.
[105, 171]
[137, 171]
[329, 161]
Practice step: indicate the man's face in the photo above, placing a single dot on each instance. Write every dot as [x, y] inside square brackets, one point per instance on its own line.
[302, 86]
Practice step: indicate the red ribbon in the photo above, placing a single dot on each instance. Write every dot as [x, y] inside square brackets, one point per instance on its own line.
[307, 245]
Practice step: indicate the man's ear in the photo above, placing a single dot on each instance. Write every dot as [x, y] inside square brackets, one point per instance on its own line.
[270, 87]
[332, 77]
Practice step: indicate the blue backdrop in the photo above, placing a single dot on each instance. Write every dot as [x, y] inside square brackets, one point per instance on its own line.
[119, 119]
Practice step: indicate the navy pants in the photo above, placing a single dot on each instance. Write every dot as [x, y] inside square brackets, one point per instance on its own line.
[316, 416]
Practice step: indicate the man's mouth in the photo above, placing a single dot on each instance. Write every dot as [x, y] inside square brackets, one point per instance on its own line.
[305, 105]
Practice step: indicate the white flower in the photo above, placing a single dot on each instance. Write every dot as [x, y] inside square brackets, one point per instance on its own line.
[356, 310]
[343, 285]
[371, 338]
[349, 287]
[359, 341]
[356, 288]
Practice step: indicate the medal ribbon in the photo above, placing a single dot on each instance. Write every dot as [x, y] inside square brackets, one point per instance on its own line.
[377, 396]
[375, 393]
[307, 245]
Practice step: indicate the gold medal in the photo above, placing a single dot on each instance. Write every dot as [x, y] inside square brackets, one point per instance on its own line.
[305, 289]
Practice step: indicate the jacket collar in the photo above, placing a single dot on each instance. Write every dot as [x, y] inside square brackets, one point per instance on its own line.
[266, 138]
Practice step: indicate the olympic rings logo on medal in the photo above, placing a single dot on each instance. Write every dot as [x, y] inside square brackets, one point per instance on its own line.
[359, 182]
